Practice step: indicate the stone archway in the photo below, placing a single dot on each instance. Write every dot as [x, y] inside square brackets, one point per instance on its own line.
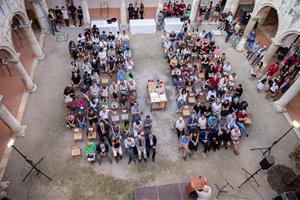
[267, 23]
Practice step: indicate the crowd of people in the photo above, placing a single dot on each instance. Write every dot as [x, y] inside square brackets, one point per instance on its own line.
[199, 69]
[103, 85]
[61, 17]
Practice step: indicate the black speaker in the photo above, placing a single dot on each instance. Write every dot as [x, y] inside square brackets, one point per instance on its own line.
[267, 162]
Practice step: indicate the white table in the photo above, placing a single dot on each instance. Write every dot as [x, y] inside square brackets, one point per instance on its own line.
[173, 24]
[142, 26]
[104, 26]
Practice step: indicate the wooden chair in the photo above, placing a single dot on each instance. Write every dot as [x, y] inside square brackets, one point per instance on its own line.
[186, 112]
[124, 115]
[114, 117]
[191, 99]
[91, 134]
[75, 150]
[104, 79]
[77, 134]
[248, 121]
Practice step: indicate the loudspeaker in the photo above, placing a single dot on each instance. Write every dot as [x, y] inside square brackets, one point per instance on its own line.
[267, 162]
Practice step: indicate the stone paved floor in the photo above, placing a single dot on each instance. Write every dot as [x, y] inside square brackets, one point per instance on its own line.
[47, 136]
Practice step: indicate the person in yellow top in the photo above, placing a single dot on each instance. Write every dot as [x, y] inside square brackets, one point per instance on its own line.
[52, 19]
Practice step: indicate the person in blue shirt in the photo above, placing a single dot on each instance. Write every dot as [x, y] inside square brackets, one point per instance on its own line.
[184, 145]
[192, 123]
[205, 138]
[180, 35]
[121, 75]
[212, 123]
[251, 39]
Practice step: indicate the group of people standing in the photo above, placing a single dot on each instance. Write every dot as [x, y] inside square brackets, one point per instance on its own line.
[107, 89]
[62, 16]
[135, 11]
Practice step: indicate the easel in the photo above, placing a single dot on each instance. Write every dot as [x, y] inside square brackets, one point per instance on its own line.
[221, 190]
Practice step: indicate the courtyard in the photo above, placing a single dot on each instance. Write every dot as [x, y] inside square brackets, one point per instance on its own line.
[47, 136]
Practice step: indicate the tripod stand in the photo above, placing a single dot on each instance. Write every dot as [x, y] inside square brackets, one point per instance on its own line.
[251, 176]
[268, 149]
[220, 190]
[33, 165]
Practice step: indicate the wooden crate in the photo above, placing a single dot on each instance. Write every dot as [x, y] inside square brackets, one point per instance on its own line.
[91, 134]
[75, 150]
[77, 134]
[186, 111]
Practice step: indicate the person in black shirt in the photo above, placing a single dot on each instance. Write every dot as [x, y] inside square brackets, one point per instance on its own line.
[72, 12]
[142, 11]
[111, 36]
[80, 15]
[58, 14]
[238, 91]
[130, 11]
[76, 80]
[103, 152]
[151, 145]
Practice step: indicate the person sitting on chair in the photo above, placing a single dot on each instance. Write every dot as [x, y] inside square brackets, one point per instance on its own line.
[103, 151]
[90, 151]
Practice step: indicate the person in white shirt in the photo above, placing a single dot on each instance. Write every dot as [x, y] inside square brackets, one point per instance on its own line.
[87, 67]
[167, 44]
[129, 144]
[180, 127]
[104, 115]
[181, 100]
[232, 79]
[217, 107]
[226, 68]
[204, 194]
[223, 83]
[94, 90]
[65, 15]
[202, 121]
[141, 147]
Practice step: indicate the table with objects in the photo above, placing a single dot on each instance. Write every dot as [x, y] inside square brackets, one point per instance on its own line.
[142, 26]
[104, 26]
[157, 95]
[172, 24]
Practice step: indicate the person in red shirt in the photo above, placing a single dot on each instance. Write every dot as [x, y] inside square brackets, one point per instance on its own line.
[272, 69]
[240, 121]
[214, 81]
[219, 69]
[292, 60]
[170, 10]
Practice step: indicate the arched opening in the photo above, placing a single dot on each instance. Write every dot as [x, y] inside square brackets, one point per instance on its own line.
[21, 42]
[267, 25]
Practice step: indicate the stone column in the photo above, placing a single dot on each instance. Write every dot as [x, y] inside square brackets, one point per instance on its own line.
[247, 31]
[33, 42]
[40, 9]
[27, 81]
[195, 5]
[234, 6]
[270, 52]
[227, 6]
[86, 13]
[11, 121]
[160, 6]
[288, 96]
[123, 16]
